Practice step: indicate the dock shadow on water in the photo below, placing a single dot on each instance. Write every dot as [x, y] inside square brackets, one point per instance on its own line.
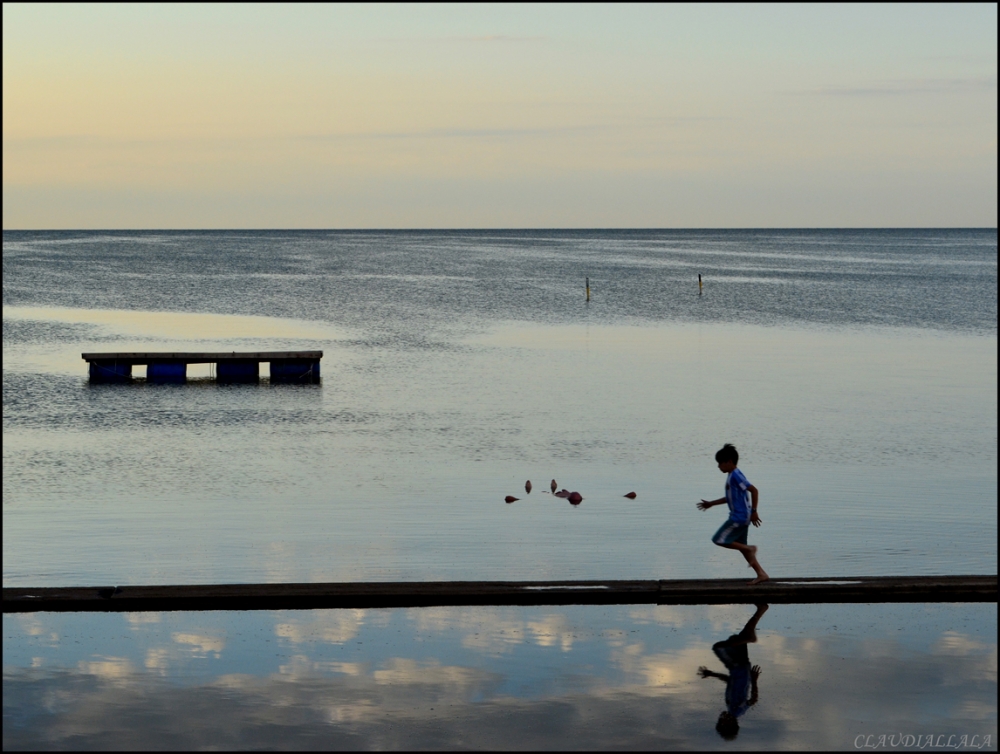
[542, 677]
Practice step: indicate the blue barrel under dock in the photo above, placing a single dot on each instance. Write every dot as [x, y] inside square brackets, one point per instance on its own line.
[296, 367]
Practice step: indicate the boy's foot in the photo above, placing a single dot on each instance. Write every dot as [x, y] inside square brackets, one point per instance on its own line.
[761, 578]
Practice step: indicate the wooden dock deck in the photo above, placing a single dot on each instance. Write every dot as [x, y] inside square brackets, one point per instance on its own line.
[459, 593]
[231, 366]
[199, 357]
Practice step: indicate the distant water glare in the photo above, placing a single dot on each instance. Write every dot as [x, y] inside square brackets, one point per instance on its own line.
[854, 370]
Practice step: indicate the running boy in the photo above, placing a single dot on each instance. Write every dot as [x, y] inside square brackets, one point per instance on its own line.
[733, 533]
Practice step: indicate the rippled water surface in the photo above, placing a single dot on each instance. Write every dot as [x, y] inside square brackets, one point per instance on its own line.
[854, 370]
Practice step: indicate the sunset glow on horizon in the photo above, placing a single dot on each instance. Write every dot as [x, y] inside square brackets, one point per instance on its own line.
[384, 116]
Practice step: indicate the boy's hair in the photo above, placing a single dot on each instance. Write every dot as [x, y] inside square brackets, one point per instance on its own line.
[728, 726]
[728, 453]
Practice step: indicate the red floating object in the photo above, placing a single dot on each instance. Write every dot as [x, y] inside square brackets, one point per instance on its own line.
[511, 499]
[631, 496]
[575, 498]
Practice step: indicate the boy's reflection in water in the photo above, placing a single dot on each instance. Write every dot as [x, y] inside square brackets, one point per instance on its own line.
[741, 682]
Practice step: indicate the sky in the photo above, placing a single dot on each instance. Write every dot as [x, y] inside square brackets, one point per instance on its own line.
[499, 116]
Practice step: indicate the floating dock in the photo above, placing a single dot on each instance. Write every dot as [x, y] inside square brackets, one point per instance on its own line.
[460, 593]
[230, 366]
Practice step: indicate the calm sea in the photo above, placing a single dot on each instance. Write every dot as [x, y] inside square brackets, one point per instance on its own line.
[855, 370]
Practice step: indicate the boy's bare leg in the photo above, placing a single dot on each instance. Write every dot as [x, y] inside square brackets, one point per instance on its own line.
[751, 626]
[750, 553]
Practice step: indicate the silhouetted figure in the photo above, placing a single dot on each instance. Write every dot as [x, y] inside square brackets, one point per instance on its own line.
[741, 681]
[742, 498]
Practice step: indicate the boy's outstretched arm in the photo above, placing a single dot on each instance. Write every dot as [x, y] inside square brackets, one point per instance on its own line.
[754, 675]
[754, 517]
[704, 505]
[706, 673]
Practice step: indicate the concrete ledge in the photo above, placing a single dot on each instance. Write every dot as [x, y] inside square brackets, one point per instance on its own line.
[458, 593]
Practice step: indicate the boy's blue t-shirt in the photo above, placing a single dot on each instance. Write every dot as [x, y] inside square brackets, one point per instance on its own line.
[738, 496]
[739, 687]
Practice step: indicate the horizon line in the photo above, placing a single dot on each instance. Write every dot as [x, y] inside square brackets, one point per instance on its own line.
[509, 228]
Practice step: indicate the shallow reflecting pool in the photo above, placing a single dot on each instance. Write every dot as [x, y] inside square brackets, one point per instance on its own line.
[578, 677]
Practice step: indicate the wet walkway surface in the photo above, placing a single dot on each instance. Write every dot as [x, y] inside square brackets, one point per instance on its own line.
[457, 593]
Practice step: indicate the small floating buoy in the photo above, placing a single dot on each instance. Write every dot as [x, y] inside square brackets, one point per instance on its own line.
[510, 499]
[554, 485]
[631, 496]
[575, 498]
[527, 486]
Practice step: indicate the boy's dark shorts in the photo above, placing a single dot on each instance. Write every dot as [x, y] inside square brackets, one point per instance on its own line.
[730, 532]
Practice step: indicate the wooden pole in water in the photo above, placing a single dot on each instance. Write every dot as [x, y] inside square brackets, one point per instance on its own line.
[588, 289]
[699, 283]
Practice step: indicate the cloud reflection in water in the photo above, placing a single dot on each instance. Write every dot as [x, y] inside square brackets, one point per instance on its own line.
[566, 677]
